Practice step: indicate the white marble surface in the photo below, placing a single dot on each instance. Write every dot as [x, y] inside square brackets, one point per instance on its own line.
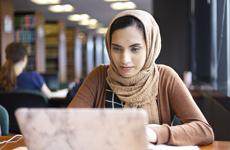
[83, 129]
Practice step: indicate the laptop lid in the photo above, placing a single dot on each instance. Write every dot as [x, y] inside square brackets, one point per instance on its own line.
[83, 129]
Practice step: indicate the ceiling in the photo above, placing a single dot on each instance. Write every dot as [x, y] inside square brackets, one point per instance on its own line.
[98, 9]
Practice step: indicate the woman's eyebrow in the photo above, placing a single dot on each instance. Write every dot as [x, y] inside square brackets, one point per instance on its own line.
[136, 44]
[133, 45]
[113, 44]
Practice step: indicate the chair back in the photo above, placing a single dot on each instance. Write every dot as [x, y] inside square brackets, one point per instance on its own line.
[4, 121]
[217, 112]
[17, 99]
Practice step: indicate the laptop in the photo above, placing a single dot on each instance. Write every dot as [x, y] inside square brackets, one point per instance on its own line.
[83, 129]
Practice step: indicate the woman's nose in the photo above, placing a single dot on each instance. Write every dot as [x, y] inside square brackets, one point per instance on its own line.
[126, 58]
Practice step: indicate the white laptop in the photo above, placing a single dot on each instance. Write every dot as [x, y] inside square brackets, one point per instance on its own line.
[83, 129]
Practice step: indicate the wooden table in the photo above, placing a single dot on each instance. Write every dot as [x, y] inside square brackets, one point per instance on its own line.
[10, 146]
[217, 145]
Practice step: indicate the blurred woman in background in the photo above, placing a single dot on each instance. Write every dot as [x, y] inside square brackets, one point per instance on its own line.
[13, 77]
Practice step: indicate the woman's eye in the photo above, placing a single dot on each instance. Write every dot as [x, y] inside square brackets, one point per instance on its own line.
[117, 49]
[135, 49]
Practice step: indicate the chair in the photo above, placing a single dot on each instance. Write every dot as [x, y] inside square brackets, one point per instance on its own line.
[4, 121]
[215, 108]
[16, 99]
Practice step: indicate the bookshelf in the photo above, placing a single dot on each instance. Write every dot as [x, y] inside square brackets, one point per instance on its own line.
[52, 46]
[25, 32]
[55, 40]
[29, 29]
[70, 39]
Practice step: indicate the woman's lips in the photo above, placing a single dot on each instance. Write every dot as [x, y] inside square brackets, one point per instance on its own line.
[126, 68]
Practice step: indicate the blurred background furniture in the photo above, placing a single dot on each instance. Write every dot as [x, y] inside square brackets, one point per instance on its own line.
[216, 108]
[16, 99]
[4, 121]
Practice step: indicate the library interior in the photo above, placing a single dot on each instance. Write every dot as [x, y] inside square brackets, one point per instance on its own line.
[66, 40]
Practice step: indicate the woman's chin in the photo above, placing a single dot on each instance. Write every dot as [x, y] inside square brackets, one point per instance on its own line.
[127, 74]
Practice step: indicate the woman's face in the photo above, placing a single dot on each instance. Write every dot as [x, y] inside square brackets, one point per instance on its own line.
[128, 50]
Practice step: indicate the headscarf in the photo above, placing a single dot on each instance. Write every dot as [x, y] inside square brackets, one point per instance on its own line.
[140, 90]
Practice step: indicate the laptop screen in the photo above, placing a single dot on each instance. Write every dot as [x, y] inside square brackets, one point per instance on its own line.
[97, 129]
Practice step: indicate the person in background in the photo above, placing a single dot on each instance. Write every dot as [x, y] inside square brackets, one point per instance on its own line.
[12, 76]
[133, 79]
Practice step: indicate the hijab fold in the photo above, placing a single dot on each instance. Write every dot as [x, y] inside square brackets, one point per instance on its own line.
[140, 90]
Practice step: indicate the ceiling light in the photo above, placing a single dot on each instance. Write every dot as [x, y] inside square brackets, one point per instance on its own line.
[75, 17]
[92, 26]
[84, 22]
[116, 0]
[45, 2]
[123, 5]
[61, 8]
[78, 17]
[92, 22]
[84, 16]
[102, 30]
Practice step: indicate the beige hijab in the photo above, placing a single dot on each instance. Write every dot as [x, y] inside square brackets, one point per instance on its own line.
[142, 89]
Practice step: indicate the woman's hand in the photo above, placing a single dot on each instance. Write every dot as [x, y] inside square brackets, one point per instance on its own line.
[151, 135]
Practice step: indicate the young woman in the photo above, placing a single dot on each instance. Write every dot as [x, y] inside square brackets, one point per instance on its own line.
[133, 79]
[12, 76]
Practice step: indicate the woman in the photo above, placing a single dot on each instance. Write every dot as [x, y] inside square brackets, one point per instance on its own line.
[133, 79]
[12, 76]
